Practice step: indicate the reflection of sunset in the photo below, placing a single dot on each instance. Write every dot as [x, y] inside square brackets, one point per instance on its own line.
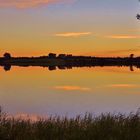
[38, 90]
[123, 86]
[73, 34]
[124, 37]
[72, 88]
[75, 70]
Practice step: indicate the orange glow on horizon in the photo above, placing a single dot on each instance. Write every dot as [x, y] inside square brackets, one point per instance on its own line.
[113, 53]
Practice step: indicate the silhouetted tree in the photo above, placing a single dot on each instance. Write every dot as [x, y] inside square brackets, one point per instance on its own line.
[7, 55]
[61, 56]
[131, 55]
[138, 16]
[52, 55]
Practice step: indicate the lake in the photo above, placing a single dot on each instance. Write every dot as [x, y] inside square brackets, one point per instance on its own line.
[71, 92]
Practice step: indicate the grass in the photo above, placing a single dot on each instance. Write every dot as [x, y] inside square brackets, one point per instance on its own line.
[104, 127]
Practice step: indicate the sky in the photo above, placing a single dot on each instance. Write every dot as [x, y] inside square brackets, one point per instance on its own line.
[78, 27]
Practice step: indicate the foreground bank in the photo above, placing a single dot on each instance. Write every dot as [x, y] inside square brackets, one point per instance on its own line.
[104, 127]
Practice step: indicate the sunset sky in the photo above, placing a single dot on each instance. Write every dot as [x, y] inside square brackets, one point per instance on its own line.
[80, 27]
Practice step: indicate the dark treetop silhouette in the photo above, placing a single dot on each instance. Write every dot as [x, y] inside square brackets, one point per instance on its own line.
[138, 15]
[63, 61]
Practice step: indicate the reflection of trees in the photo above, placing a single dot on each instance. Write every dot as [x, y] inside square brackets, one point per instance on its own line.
[131, 68]
[7, 67]
[52, 68]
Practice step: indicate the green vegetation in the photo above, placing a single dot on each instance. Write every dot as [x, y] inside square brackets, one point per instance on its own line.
[103, 127]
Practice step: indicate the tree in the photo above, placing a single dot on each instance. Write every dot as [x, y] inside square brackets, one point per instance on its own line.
[52, 55]
[131, 55]
[138, 15]
[7, 55]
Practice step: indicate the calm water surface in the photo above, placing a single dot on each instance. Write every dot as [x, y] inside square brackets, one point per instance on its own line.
[36, 90]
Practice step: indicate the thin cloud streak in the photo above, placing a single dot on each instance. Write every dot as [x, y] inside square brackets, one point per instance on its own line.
[73, 34]
[113, 53]
[28, 3]
[123, 86]
[123, 37]
[123, 51]
[72, 88]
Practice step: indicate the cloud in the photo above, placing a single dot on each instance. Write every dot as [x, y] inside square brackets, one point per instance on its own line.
[72, 88]
[122, 51]
[28, 3]
[123, 36]
[123, 86]
[114, 53]
[73, 34]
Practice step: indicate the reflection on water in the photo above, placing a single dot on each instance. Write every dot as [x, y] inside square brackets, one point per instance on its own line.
[36, 90]
[8, 67]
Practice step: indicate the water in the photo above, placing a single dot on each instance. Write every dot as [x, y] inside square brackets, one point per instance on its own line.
[38, 91]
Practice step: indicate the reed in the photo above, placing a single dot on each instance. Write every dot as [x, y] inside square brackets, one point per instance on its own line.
[104, 127]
